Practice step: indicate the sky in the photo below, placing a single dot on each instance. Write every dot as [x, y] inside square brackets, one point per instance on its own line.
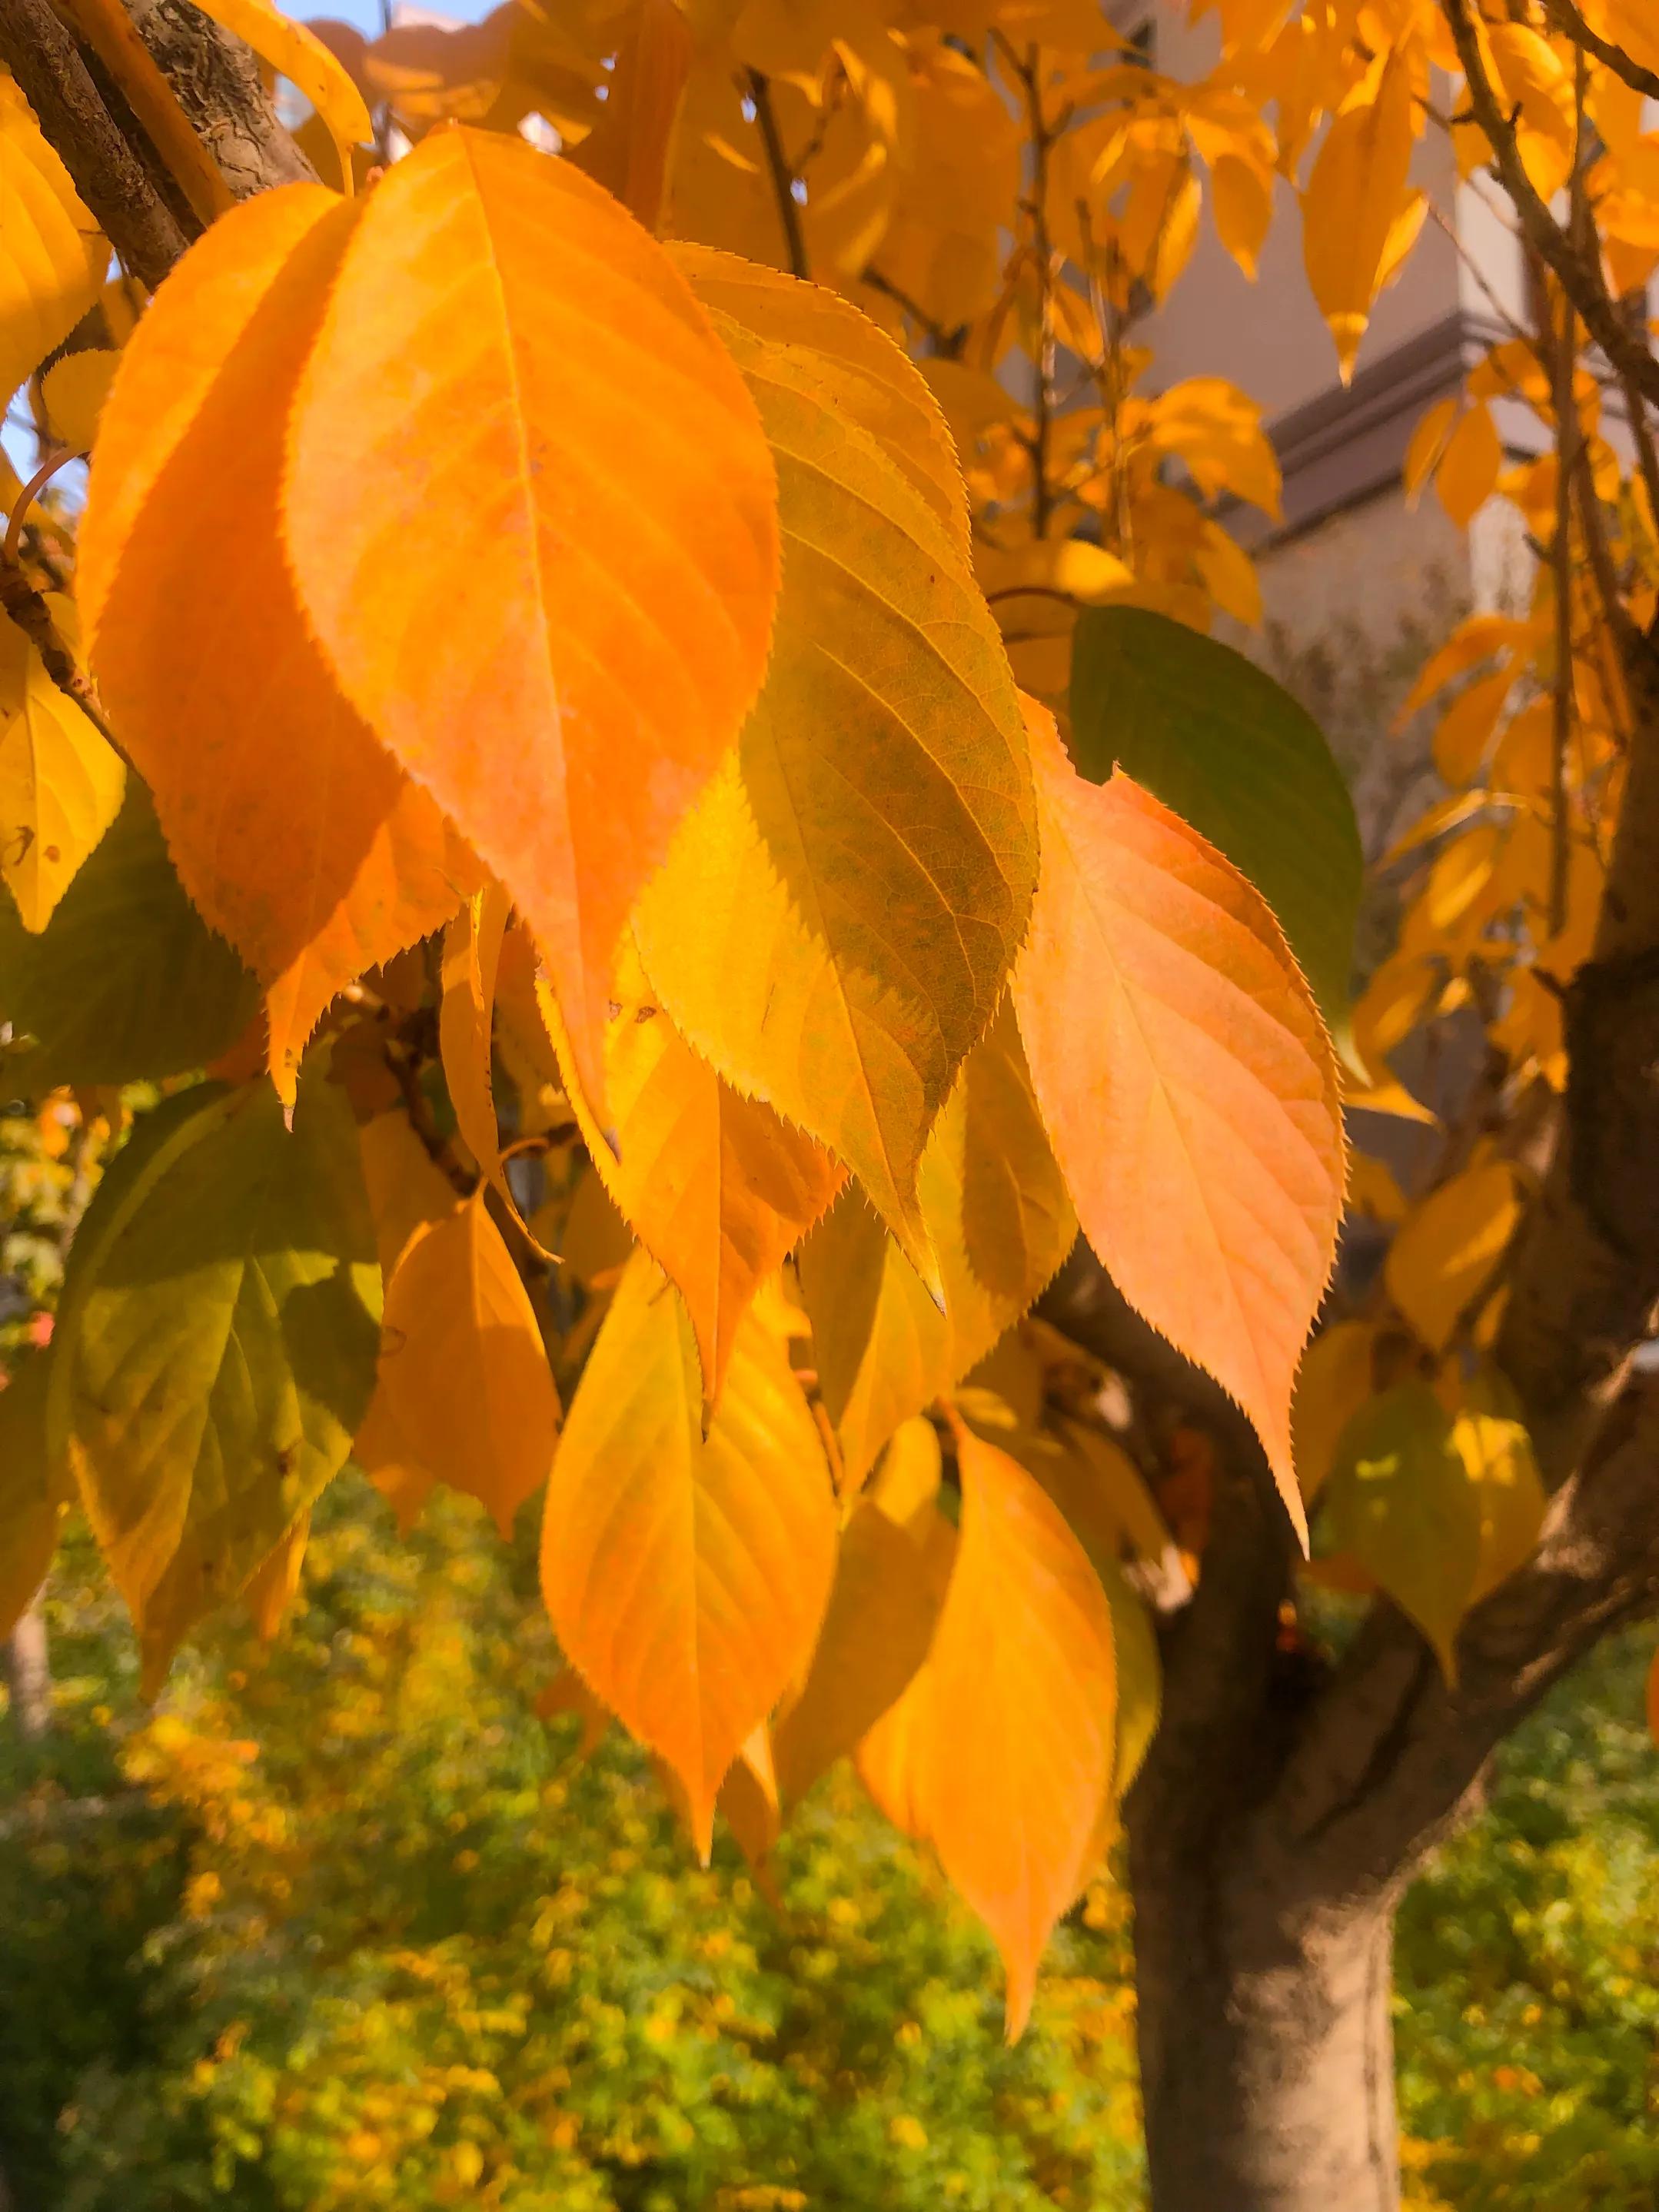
[366, 13]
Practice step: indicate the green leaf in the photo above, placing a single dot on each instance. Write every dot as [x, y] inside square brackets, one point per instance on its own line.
[216, 1346]
[126, 981]
[1230, 749]
[1400, 1500]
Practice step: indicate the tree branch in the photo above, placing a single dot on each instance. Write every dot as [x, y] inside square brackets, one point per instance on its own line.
[784, 179]
[217, 84]
[1578, 279]
[1611, 56]
[44, 59]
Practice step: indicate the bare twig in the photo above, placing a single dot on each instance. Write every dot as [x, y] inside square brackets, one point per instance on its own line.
[1603, 50]
[52, 77]
[1028, 74]
[1578, 274]
[31, 491]
[784, 179]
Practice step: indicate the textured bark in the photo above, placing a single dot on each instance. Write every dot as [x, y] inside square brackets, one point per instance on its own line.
[1267, 2045]
[216, 81]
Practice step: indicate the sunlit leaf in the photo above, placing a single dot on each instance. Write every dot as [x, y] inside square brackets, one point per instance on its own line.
[686, 1577]
[52, 256]
[551, 603]
[1445, 1251]
[61, 783]
[1188, 1084]
[292, 831]
[834, 922]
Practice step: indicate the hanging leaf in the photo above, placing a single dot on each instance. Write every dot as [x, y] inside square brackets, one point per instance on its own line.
[126, 982]
[474, 943]
[555, 619]
[686, 1577]
[1401, 1501]
[882, 1610]
[1020, 1695]
[1188, 1084]
[1334, 1381]
[834, 923]
[1234, 755]
[996, 1214]
[215, 1348]
[52, 256]
[463, 1376]
[61, 782]
[291, 830]
[717, 1188]
[32, 1490]
[1357, 187]
[1490, 1437]
[1446, 1251]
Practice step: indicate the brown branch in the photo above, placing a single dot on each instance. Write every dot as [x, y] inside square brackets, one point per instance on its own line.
[784, 179]
[217, 84]
[1579, 277]
[1611, 56]
[1028, 74]
[54, 79]
[108, 30]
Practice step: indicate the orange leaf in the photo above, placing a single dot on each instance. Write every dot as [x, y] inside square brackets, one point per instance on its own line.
[1188, 1084]
[471, 963]
[295, 835]
[717, 1187]
[686, 1579]
[883, 1612]
[464, 1373]
[1017, 1749]
[531, 513]
[627, 150]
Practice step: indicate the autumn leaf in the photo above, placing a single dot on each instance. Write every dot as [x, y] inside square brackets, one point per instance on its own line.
[717, 1188]
[32, 1490]
[1018, 1750]
[1445, 1253]
[998, 1218]
[1400, 1500]
[1334, 1380]
[52, 255]
[555, 620]
[686, 1577]
[1188, 1084]
[216, 1347]
[291, 830]
[834, 924]
[884, 1609]
[1356, 190]
[61, 782]
[1234, 755]
[464, 1376]
[126, 982]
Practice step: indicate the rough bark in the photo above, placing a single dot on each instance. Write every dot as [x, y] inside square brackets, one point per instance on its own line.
[216, 81]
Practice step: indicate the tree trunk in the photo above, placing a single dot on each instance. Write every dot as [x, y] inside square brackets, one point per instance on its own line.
[1267, 2046]
[28, 1672]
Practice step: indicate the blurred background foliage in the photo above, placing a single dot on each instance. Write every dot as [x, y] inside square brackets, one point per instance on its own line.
[341, 1923]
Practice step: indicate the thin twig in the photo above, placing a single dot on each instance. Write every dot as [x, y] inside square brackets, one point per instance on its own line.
[26, 499]
[784, 179]
[1610, 56]
[1579, 276]
[1028, 72]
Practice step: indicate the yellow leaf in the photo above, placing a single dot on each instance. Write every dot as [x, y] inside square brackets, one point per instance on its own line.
[473, 944]
[464, 1372]
[32, 1492]
[1188, 1084]
[1398, 1500]
[52, 255]
[941, 247]
[997, 1216]
[687, 1577]
[1445, 1252]
[906, 1484]
[1242, 202]
[882, 1610]
[74, 390]
[1332, 1382]
[834, 922]
[555, 622]
[61, 783]
[1121, 1488]
[1468, 473]
[1465, 730]
[1427, 443]
[717, 1188]
[1490, 1437]
[1355, 193]
[295, 834]
[274, 1586]
[297, 53]
[1020, 1692]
